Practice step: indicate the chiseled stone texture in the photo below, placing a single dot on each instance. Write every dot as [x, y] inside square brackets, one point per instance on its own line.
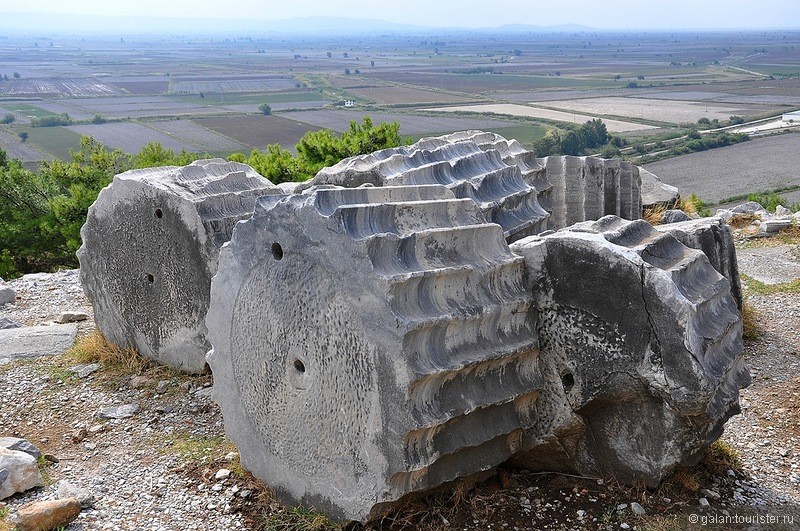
[714, 237]
[456, 161]
[150, 247]
[513, 188]
[369, 343]
[641, 351]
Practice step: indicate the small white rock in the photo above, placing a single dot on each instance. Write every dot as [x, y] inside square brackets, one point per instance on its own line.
[222, 473]
[638, 509]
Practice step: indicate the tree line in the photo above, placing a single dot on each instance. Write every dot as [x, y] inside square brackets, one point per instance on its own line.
[42, 211]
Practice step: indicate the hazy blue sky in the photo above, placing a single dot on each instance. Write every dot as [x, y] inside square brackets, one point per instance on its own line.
[689, 14]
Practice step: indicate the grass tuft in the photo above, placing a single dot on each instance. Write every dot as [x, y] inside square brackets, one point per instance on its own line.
[95, 349]
[694, 205]
[751, 326]
[297, 519]
[721, 457]
[741, 221]
[654, 215]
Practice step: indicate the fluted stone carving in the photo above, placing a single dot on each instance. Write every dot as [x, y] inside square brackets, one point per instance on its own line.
[499, 189]
[150, 247]
[397, 330]
[714, 237]
[375, 336]
[369, 343]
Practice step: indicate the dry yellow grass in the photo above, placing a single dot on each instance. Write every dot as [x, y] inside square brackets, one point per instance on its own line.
[751, 329]
[95, 349]
[654, 215]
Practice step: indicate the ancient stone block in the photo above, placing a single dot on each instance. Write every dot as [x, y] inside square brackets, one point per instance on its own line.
[656, 192]
[641, 351]
[369, 343]
[21, 472]
[150, 247]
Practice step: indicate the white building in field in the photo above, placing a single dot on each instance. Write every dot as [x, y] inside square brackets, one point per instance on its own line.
[792, 117]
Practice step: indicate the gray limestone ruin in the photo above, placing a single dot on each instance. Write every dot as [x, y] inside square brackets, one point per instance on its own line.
[369, 343]
[425, 313]
[640, 351]
[150, 247]
[396, 329]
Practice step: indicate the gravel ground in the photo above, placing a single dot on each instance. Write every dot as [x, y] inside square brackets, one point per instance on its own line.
[157, 470]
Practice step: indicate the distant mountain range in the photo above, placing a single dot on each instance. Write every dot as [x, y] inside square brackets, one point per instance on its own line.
[69, 24]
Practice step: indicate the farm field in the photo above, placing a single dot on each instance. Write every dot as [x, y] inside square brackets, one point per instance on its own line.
[675, 112]
[16, 149]
[253, 108]
[57, 107]
[136, 107]
[232, 85]
[615, 126]
[60, 87]
[761, 164]
[141, 85]
[256, 131]
[541, 81]
[273, 98]
[24, 111]
[405, 95]
[201, 138]
[410, 124]
[56, 141]
[129, 136]
[482, 83]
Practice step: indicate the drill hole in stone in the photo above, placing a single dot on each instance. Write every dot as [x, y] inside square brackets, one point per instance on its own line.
[159, 213]
[567, 380]
[277, 251]
[150, 278]
[299, 366]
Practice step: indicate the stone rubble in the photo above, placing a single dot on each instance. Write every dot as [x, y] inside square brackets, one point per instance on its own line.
[7, 293]
[21, 472]
[46, 515]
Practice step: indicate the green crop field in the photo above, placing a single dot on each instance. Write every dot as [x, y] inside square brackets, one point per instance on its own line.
[54, 140]
[27, 110]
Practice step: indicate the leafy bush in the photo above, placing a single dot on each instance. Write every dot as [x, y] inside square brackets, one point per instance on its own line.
[51, 121]
[771, 200]
[7, 119]
[41, 212]
[585, 138]
[318, 149]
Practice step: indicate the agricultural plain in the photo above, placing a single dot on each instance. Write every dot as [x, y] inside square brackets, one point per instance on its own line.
[208, 95]
[615, 126]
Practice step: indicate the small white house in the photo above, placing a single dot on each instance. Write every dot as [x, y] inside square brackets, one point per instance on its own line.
[349, 103]
[792, 117]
